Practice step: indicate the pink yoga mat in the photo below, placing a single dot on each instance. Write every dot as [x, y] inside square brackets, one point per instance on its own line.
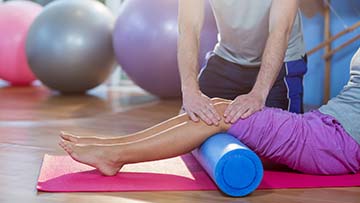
[62, 174]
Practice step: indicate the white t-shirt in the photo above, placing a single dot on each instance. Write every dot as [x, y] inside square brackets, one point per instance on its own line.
[243, 27]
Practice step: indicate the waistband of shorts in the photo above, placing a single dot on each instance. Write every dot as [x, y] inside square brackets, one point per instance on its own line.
[328, 119]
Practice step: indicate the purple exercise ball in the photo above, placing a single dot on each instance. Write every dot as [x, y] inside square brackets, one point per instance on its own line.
[145, 42]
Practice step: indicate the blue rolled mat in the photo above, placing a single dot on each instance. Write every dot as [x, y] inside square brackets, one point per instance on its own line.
[235, 169]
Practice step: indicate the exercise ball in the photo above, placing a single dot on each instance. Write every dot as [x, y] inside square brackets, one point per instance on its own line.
[15, 20]
[69, 46]
[145, 42]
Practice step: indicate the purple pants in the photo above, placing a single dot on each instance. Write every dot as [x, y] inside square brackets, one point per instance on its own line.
[311, 143]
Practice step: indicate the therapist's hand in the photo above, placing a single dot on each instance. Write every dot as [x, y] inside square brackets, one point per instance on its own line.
[244, 106]
[199, 106]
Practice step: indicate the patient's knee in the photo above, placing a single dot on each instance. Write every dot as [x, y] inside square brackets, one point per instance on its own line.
[221, 107]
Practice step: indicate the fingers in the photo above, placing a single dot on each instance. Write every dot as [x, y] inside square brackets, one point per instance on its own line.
[234, 112]
[242, 107]
[208, 114]
[204, 116]
[239, 114]
[234, 108]
[211, 113]
[248, 113]
[192, 116]
[199, 106]
[228, 109]
[215, 114]
[231, 106]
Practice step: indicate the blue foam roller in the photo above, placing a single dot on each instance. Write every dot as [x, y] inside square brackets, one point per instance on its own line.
[235, 169]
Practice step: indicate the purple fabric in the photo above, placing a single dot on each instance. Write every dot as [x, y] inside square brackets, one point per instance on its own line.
[312, 143]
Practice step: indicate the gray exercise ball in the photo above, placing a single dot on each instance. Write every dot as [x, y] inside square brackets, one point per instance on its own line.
[69, 45]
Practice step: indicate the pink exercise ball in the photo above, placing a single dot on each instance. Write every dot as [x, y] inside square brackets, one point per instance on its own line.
[16, 18]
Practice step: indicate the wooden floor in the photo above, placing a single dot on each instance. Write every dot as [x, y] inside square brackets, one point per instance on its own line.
[31, 118]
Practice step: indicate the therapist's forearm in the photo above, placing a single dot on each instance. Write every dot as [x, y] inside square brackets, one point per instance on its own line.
[272, 61]
[190, 19]
[188, 46]
[282, 16]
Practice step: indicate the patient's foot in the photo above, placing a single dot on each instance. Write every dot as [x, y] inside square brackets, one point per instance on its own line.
[86, 140]
[99, 156]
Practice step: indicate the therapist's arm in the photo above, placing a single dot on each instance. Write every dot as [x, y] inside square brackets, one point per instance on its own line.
[196, 105]
[282, 16]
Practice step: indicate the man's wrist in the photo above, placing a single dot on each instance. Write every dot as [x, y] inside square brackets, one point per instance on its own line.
[190, 89]
[260, 92]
